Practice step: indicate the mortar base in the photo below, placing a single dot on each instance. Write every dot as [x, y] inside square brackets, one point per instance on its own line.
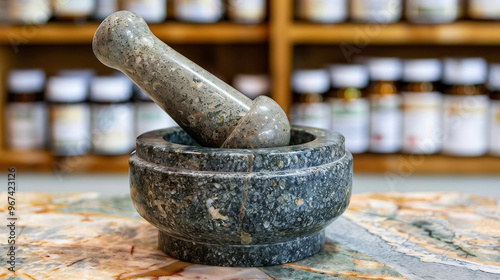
[242, 255]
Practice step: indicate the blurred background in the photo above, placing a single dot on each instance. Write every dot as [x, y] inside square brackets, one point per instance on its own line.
[414, 85]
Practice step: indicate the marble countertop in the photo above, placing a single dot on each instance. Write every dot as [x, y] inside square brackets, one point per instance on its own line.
[381, 236]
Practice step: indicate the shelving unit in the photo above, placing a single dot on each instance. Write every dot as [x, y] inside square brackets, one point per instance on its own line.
[283, 36]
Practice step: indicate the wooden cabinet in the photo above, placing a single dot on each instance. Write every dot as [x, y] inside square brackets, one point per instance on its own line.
[275, 46]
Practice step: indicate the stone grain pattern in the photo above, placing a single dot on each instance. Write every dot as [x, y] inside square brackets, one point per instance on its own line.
[209, 110]
[241, 207]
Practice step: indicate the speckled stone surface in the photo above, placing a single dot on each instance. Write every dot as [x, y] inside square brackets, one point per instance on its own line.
[209, 110]
[241, 207]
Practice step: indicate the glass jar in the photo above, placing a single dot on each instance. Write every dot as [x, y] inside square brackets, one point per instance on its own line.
[202, 11]
[376, 11]
[74, 10]
[28, 11]
[308, 108]
[152, 11]
[104, 8]
[26, 112]
[148, 116]
[432, 11]
[484, 9]
[112, 116]
[247, 11]
[322, 11]
[252, 85]
[350, 110]
[385, 102]
[494, 84]
[69, 116]
[422, 106]
[466, 105]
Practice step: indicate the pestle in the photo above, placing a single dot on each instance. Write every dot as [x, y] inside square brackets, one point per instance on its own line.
[213, 113]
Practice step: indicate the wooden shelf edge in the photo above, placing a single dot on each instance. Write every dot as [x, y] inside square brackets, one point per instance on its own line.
[362, 34]
[403, 165]
[67, 33]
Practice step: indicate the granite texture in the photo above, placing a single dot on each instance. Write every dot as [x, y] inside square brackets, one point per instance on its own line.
[231, 203]
[209, 110]
[84, 236]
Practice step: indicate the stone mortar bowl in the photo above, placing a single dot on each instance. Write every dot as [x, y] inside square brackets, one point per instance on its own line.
[241, 207]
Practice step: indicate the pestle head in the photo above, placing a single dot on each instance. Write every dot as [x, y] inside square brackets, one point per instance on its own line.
[209, 110]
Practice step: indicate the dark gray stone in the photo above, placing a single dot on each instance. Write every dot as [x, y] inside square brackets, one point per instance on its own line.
[209, 110]
[241, 207]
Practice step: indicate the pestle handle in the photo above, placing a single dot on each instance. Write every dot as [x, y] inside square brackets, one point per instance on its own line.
[209, 110]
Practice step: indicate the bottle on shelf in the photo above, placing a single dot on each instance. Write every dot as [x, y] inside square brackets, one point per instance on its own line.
[308, 108]
[432, 11]
[422, 106]
[247, 11]
[350, 109]
[252, 85]
[69, 115]
[74, 10]
[26, 111]
[200, 11]
[152, 11]
[484, 9]
[26, 11]
[376, 11]
[322, 11]
[466, 105]
[148, 116]
[104, 8]
[112, 116]
[385, 102]
[494, 85]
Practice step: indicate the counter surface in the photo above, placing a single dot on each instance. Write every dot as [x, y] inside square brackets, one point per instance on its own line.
[381, 236]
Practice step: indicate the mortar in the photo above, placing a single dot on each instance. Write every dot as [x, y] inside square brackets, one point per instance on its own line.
[257, 193]
[240, 207]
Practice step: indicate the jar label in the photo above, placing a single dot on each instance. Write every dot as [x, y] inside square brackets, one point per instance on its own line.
[352, 119]
[151, 117]
[377, 10]
[485, 9]
[422, 122]
[26, 125]
[150, 10]
[70, 133]
[465, 125]
[112, 128]
[385, 123]
[313, 115]
[74, 7]
[322, 10]
[199, 10]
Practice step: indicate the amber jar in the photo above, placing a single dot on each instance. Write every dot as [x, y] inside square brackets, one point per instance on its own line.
[422, 106]
[349, 108]
[26, 111]
[385, 103]
[466, 105]
[308, 108]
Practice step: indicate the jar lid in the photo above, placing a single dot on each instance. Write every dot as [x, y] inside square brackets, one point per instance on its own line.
[110, 89]
[252, 85]
[422, 70]
[494, 78]
[384, 68]
[26, 81]
[344, 76]
[310, 81]
[67, 89]
[465, 71]
[88, 74]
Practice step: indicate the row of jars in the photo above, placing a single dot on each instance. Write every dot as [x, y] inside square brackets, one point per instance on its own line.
[389, 11]
[77, 112]
[416, 106]
[153, 11]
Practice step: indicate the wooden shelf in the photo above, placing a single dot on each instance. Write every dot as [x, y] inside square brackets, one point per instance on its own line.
[457, 33]
[394, 164]
[66, 33]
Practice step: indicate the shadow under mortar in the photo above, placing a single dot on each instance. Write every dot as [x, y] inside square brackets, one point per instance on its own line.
[241, 207]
